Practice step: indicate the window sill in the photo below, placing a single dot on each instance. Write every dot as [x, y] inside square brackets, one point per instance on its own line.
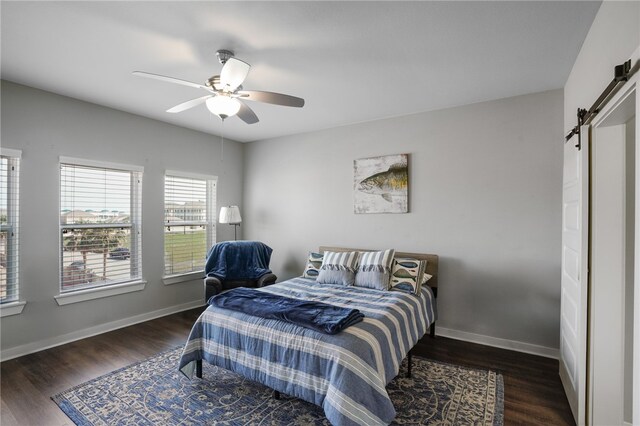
[99, 292]
[11, 308]
[175, 279]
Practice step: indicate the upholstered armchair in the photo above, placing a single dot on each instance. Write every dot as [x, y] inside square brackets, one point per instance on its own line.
[213, 285]
[232, 264]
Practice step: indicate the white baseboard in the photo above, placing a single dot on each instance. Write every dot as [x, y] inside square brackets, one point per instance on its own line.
[40, 345]
[497, 342]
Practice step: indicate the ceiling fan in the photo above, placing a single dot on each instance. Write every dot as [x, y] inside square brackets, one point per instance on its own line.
[226, 96]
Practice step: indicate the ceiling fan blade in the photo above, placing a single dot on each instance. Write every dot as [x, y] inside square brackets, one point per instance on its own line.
[233, 74]
[272, 98]
[169, 79]
[189, 104]
[246, 114]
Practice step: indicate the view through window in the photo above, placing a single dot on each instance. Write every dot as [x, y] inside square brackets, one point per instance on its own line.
[189, 216]
[9, 229]
[100, 223]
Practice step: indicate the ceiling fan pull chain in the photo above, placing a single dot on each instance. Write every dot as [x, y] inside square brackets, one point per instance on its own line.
[222, 144]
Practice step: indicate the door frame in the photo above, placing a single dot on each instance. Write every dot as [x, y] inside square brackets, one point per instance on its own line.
[610, 108]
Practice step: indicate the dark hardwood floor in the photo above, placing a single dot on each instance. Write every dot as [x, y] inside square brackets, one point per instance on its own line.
[533, 393]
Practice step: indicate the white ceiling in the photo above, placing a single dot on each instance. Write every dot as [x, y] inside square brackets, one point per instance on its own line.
[350, 61]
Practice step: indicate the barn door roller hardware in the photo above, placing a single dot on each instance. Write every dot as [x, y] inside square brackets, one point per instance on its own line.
[621, 73]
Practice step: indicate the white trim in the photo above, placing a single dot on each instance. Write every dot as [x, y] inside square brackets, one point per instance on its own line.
[99, 292]
[617, 99]
[10, 152]
[611, 107]
[11, 308]
[190, 175]
[40, 345]
[497, 342]
[100, 164]
[134, 225]
[635, 392]
[175, 279]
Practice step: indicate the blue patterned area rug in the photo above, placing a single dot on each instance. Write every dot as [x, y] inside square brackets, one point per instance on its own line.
[154, 392]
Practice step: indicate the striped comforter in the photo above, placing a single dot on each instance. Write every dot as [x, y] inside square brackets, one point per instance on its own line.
[345, 374]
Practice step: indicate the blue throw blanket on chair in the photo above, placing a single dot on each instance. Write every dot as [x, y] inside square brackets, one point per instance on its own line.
[238, 260]
[318, 316]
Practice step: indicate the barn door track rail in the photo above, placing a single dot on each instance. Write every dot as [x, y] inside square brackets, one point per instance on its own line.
[621, 74]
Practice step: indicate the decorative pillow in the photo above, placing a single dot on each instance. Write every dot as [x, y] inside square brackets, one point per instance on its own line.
[426, 277]
[407, 274]
[375, 269]
[338, 268]
[314, 261]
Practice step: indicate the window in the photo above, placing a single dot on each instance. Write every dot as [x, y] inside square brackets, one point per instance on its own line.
[100, 224]
[189, 221]
[9, 229]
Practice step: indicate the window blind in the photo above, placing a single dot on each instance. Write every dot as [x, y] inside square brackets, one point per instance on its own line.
[189, 221]
[100, 225]
[9, 225]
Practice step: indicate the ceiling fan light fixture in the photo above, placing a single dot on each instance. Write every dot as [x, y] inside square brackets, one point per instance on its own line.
[225, 90]
[223, 106]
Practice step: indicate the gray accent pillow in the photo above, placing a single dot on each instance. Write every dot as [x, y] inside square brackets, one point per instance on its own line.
[338, 268]
[375, 269]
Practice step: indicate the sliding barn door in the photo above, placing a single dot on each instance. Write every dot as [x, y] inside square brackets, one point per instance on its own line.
[573, 316]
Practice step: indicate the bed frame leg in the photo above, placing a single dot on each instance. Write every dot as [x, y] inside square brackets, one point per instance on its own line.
[199, 369]
[432, 330]
[409, 360]
[276, 394]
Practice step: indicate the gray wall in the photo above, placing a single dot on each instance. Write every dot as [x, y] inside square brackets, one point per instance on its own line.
[485, 195]
[612, 39]
[45, 126]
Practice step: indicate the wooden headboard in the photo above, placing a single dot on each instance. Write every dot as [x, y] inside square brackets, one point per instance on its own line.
[432, 260]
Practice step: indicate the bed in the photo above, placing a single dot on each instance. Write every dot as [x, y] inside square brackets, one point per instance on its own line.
[345, 373]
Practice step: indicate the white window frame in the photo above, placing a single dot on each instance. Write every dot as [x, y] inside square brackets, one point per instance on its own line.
[136, 283]
[14, 306]
[211, 192]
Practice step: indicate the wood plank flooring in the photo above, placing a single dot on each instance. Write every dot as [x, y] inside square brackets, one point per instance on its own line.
[533, 392]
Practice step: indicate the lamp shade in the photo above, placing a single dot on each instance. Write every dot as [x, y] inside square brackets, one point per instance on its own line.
[223, 106]
[230, 214]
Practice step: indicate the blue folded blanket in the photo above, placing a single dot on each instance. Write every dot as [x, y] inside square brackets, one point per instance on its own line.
[317, 316]
[238, 260]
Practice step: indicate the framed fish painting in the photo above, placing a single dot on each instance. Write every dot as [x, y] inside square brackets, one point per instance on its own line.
[381, 184]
